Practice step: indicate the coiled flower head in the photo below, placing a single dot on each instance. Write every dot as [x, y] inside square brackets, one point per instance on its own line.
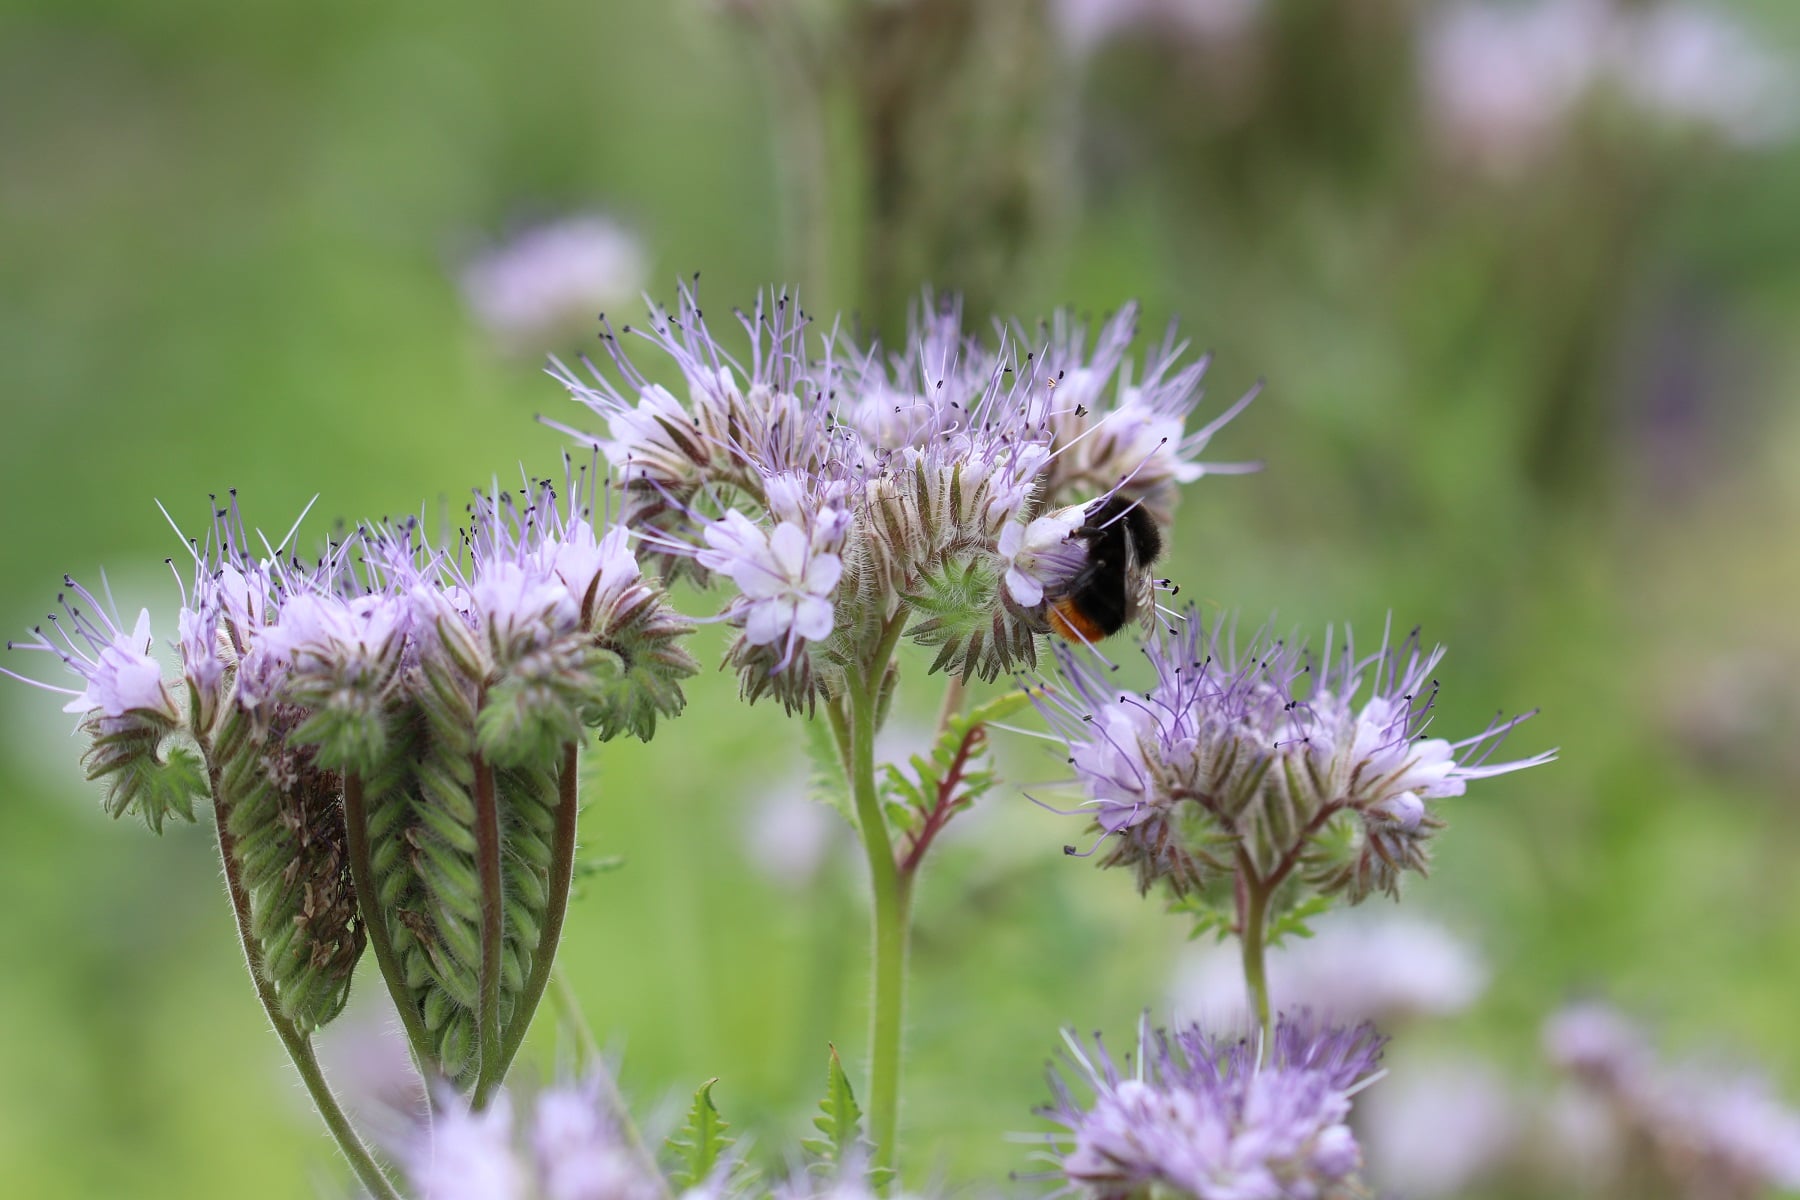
[1201, 1117]
[1264, 757]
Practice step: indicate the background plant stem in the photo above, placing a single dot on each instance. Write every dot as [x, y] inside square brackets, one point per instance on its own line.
[1253, 934]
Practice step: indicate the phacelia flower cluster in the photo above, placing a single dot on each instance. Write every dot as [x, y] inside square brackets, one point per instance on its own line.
[427, 700]
[1202, 1117]
[1265, 758]
[850, 495]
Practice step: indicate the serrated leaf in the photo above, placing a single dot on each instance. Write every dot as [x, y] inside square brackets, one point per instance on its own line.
[701, 1143]
[826, 782]
[1294, 922]
[839, 1119]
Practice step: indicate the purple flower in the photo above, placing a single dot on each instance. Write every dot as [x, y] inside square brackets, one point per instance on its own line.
[786, 580]
[847, 488]
[551, 277]
[570, 1148]
[1201, 1117]
[468, 1155]
[1324, 771]
[1705, 1130]
[121, 679]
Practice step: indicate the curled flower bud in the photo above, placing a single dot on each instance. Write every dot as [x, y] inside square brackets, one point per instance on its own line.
[1256, 753]
[1201, 1117]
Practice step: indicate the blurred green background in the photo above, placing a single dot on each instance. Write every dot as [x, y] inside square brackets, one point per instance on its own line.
[1543, 409]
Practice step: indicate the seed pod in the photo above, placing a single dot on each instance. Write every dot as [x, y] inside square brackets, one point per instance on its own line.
[285, 824]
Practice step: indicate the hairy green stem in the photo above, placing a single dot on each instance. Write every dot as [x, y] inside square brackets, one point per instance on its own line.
[374, 921]
[562, 875]
[1253, 918]
[493, 928]
[891, 893]
[298, 1045]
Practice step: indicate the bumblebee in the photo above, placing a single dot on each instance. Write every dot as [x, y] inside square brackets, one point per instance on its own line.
[1114, 585]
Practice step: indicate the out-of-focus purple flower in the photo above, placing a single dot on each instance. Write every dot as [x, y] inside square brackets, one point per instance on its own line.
[1693, 64]
[1266, 751]
[1200, 1117]
[1501, 80]
[1436, 1126]
[1708, 1131]
[466, 1154]
[569, 1148]
[1386, 968]
[551, 278]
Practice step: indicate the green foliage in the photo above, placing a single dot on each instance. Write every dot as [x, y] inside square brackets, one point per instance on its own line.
[839, 1123]
[826, 781]
[1295, 921]
[701, 1143]
[949, 778]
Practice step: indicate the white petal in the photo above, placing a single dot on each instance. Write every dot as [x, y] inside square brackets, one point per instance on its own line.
[765, 622]
[822, 574]
[788, 545]
[812, 619]
[1026, 591]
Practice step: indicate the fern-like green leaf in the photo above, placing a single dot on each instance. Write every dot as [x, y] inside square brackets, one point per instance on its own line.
[826, 780]
[839, 1119]
[701, 1143]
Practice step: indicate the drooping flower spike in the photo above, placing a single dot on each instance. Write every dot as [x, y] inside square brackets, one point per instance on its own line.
[1265, 756]
[1210, 1118]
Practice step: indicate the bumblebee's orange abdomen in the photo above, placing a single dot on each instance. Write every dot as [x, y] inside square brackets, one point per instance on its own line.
[1072, 623]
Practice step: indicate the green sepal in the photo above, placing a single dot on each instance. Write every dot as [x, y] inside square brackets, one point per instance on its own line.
[953, 602]
[347, 737]
[155, 789]
[528, 717]
[701, 1142]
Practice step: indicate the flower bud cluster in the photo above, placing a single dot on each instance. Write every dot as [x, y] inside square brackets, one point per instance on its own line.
[941, 487]
[1264, 759]
[1203, 1118]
